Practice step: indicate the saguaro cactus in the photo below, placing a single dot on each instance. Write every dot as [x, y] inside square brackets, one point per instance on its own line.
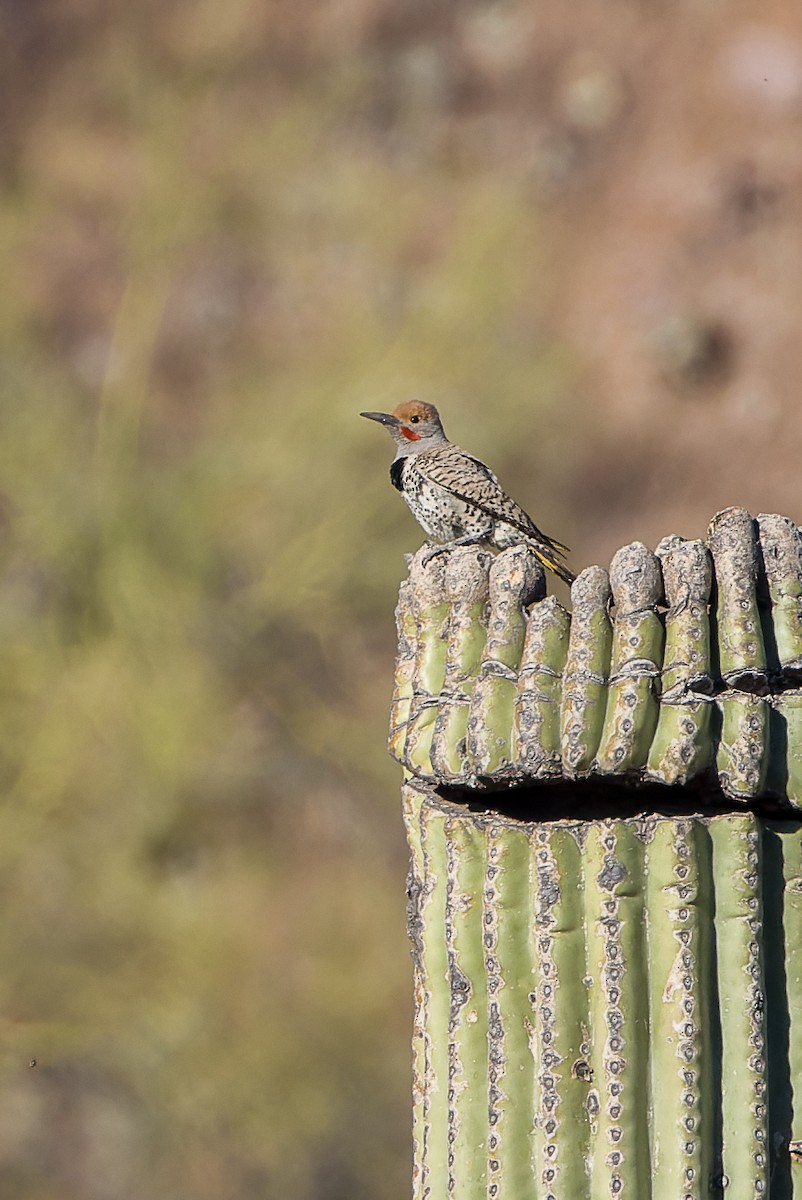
[605, 898]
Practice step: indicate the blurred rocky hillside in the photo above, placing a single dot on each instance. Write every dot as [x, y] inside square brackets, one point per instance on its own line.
[224, 230]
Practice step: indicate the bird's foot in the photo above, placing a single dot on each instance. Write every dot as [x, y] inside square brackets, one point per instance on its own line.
[444, 547]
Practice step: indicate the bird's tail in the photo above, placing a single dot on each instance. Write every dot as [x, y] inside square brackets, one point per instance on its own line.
[552, 554]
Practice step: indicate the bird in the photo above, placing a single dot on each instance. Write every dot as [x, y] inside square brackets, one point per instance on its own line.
[455, 497]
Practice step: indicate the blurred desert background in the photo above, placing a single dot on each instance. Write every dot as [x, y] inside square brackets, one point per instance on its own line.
[224, 230]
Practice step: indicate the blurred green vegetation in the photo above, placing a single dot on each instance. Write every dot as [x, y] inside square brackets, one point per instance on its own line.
[223, 232]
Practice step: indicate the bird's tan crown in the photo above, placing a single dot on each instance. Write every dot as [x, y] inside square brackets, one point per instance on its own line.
[415, 408]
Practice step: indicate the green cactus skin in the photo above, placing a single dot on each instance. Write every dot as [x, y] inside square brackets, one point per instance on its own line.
[467, 1066]
[743, 748]
[404, 671]
[507, 923]
[682, 747]
[605, 1008]
[784, 777]
[784, 978]
[679, 899]
[536, 722]
[687, 580]
[466, 589]
[616, 969]
[428, 906]
[781, 544]
[742, 655]
[637, 654]
[516, 578]
[741, 995]
[587, 670]
[419, 917]
[431, 616]
[560, 1033]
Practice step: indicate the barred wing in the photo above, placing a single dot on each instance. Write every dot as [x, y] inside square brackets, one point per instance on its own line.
[470, 480]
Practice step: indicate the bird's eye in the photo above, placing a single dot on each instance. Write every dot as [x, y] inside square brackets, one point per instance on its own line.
[414, 420]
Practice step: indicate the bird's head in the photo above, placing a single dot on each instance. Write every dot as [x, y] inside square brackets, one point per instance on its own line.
[413, 425]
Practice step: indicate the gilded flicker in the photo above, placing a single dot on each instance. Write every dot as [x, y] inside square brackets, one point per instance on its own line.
[455, 497]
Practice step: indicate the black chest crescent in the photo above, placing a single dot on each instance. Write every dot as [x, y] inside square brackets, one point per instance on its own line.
[396, 469]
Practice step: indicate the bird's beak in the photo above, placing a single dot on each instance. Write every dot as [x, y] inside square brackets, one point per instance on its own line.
[383, 418]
